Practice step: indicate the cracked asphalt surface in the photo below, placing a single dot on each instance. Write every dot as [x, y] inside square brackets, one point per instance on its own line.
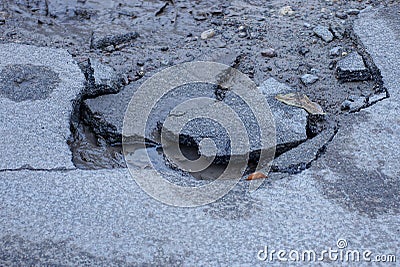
[54, 213]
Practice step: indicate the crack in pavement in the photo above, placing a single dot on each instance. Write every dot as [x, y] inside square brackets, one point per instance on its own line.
[38, 170]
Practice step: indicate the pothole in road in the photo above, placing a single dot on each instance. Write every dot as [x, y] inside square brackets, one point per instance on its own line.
[97, 142]
[95, 146]
[27, 82]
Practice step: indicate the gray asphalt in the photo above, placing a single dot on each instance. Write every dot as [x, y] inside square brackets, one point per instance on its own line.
[35, 120]
[103, 218]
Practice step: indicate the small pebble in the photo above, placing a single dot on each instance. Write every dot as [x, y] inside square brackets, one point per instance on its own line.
[308, 79]
[110, 48]
[242, 34]
[207, 34]
[286, 10]
[324, 33]
[353, 12]
[304, 50]
[269, 52]
[341, 15]
[242, 28]
[336, 51]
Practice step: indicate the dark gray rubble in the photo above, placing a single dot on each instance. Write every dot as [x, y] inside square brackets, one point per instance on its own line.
[105, 114]
[290, 122]
[352, 68]
[101, 42]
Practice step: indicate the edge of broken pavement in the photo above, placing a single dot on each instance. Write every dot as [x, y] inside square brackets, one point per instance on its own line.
[102, 217]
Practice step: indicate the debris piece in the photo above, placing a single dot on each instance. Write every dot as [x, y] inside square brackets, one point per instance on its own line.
[100, 79]
[352, 68]
[269, 52]
[103, 42]
[354, 103]
[336, 51]
[308, 79]
[207, 34]
[341, 15]
[353, 12]
[286, 10]
[256, 175]
[301, 101]
[324, 33]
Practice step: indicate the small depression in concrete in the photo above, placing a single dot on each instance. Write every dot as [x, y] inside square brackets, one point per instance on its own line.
[27, 82]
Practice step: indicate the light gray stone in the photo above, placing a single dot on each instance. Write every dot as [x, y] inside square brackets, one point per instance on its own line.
[324, 33]
[309, 79]
[335, 51]
[354, 104]
[105, 78]
[207, 34]
[36, 105]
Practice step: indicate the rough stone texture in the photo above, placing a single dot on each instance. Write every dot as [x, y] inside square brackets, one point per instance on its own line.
[363, 158]
[101, 42]
[354, 103]
[207, 34]
[308, 79]
[101, 79]
[103, 217]
[302, 156]
[269, 52]
[27, 82]
[335, 51]
[198, 129]
[324, 33]
[290, 122]
[35, 129]
[352, 68]
[106, 113]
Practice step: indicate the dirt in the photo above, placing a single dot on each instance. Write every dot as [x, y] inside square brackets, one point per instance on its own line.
[139, 38]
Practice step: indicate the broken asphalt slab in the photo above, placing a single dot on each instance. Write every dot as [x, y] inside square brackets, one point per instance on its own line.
[103, 218]
[290, 122]
[100, 79]
[352, 68]
[106, 116]
[37, 90]
[363, 157]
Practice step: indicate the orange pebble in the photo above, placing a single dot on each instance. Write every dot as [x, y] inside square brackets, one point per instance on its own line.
[256, 175]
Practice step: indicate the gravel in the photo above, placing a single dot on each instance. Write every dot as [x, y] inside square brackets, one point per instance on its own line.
[324, 33]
